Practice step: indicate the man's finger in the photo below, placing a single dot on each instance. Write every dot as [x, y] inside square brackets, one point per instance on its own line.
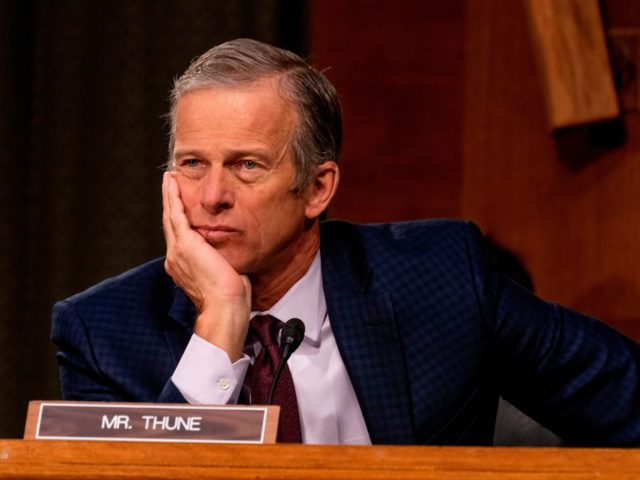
[166, 212]
[177, 217]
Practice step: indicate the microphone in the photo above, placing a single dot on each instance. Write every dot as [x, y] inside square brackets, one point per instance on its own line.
[290, 339]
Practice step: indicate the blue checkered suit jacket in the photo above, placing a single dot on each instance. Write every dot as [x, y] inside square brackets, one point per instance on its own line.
[429, 334]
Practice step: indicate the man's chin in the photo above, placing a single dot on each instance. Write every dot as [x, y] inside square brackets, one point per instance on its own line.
[233, 256]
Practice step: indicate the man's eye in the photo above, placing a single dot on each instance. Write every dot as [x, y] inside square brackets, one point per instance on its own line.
[190, 162]
[249, 164]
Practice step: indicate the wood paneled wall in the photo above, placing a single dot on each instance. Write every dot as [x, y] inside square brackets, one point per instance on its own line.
[444, 116]
[400, 72]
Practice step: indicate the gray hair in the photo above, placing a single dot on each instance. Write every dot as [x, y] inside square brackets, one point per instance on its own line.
[318, 136]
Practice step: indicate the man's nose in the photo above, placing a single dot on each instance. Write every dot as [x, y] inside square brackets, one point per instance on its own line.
[216, 192]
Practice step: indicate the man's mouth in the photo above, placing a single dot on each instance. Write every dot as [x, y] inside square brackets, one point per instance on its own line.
[217, 233]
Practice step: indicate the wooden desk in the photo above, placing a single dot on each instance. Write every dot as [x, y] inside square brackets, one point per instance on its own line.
[101, 460]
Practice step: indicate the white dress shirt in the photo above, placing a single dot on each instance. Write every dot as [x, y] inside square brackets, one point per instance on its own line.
[328, 407]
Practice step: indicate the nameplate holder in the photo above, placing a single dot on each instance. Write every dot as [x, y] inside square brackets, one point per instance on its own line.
[151, 422]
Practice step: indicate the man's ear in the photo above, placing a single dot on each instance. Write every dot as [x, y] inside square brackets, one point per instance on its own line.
[321, 189]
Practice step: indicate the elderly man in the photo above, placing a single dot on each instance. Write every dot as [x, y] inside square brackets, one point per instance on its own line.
[410, 337]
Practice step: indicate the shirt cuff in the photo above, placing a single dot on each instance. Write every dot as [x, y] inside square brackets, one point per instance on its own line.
[205, 374]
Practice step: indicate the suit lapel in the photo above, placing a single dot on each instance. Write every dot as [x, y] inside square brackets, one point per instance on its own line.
[364, 326]
[179, 331]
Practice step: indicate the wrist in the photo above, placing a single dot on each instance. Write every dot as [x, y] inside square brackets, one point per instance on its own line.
[224, 327]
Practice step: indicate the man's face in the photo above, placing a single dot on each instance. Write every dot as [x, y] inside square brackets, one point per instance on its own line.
[234, 166]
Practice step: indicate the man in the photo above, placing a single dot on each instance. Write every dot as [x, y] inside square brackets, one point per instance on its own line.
[410, 337]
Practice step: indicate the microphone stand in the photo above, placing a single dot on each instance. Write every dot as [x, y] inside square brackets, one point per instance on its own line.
[292, 335]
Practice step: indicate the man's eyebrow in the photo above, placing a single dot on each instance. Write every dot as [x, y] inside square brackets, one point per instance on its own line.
[186, 152]
[258, 151]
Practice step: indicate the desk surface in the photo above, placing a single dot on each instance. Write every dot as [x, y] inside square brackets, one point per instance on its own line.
[101, 460]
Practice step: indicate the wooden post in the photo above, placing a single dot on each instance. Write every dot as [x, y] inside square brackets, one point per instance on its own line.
[571, 48]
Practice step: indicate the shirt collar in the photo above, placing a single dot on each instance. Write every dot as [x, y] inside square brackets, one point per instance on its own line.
[304, 300]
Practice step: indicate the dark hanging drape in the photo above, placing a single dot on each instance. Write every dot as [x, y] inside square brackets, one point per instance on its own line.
[83, 88]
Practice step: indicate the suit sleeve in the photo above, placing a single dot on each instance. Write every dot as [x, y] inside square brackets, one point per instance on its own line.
[81, 377]
[571, 373]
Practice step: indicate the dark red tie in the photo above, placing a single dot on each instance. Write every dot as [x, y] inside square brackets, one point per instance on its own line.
[260, 376]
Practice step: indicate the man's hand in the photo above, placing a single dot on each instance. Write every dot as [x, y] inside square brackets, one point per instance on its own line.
[221, 296]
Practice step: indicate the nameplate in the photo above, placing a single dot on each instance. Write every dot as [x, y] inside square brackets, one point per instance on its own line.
[151, 422]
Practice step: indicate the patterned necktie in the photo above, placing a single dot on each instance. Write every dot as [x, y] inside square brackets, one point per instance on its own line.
[260, 375]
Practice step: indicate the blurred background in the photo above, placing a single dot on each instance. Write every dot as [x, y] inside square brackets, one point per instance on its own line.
[446, 115]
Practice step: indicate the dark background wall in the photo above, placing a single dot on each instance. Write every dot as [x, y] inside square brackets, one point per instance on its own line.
[82, 93]
[444, 116]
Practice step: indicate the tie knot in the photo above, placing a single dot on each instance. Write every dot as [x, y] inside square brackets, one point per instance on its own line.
[265, 328]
